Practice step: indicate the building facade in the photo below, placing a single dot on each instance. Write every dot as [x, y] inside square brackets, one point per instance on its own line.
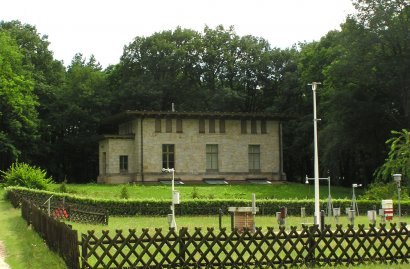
[234, 147]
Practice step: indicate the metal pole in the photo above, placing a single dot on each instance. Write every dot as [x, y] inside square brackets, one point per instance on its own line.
[220, 218]
[353, 201]
[397, 179]
[316, 157]
[253, 212]
[329, 201]
[48, 202]
[173, 222]
[398, 197]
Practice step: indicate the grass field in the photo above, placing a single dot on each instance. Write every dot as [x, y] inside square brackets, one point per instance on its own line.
[140, 222]
[238, 191]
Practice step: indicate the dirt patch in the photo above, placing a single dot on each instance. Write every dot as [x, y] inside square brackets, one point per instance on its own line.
[3, 264]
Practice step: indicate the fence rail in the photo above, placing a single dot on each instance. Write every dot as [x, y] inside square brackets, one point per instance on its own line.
[221, 249]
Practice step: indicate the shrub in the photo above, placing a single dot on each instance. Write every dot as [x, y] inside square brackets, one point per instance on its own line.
[380, 191]
[124, 193]
[22, 174]
[63, 187]
[195, 194]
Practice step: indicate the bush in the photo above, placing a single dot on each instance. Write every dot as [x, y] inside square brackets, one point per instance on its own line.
[132, 207]
[63, 187]
[195, 194]
[382, 191]
[124, 193]
[24, 175]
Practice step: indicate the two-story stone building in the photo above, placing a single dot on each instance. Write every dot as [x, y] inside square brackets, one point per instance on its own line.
[234, 147]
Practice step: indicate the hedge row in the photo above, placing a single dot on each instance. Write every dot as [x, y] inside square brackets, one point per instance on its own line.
[190, 206]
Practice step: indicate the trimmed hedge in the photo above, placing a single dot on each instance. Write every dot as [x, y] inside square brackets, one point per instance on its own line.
[190, 206]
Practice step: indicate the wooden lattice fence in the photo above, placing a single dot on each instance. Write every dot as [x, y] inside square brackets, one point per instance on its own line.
[260, 249]
[58, 236]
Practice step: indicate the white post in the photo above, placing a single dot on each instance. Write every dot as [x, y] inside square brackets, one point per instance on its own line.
[48, 202]
[316, 156]
[355, 208]
[172, 170]
[173, 222]
[329, 201]
[253, 211]
[353, 200]
[397, 179]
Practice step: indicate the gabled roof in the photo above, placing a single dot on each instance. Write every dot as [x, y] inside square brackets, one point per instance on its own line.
[134, 114]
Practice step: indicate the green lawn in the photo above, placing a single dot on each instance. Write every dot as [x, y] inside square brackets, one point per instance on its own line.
[237, 191]
[140, 222]
[24, 248]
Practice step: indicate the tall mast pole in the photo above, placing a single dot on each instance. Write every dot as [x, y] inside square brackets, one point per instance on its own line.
[316, 156]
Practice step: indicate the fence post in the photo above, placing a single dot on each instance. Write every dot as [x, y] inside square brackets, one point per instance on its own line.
[30, 213]
[220, 218]
[182, 246]
[83, 243]
[75, 251]
[232, 222]
[106, 217]
[311, 246]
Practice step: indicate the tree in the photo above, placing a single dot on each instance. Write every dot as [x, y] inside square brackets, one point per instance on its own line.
[211, 71]
[389, 21]
[157, 70]
[365, 86]
[77, 112]
[398, 160]
[47, 77]
[18, 115]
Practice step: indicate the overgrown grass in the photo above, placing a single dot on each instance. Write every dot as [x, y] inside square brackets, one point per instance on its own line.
[239, 191]
[24, 248]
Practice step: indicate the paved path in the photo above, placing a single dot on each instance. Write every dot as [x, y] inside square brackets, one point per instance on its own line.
[3, 264]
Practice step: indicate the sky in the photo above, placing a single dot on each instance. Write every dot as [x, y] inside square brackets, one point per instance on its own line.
[104, 27]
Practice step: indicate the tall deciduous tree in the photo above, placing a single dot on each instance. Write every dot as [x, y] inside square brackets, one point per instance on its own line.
[47, 75]
[364, 69]
[398, 161]
[213, 70]
[18, 115]
[80, 106]
[389, 21]
[160, 69]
